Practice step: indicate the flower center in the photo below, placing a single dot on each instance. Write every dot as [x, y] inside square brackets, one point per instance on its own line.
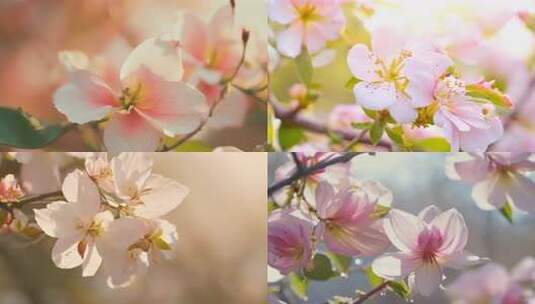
[130, 97]
[308, 13]
[449, 87]
[392, 72]
[429, 242]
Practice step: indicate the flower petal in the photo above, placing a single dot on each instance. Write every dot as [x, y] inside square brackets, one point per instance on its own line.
[159, 56]
[453, 230]
[85, 98]
[429, 213]
[162, 196]
[361, 62]
[394, 266]
[281, 11]
[402, 111]
[428, 278]
[290, 41]
[489, 194]
[403, 228]
[130, 132]
[79, 189]
[92, 259]
[522, 193]
[58, 219]
[65, 252]
[323, 195]
[375, 95]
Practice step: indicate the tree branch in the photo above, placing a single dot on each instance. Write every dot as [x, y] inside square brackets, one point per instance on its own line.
[306, 171]
[371, 293]
[292, 116]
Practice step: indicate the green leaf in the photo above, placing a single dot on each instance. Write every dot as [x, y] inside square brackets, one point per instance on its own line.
[290, 136]
[373, 279]
[305, 70]
[352, 82]
[370, 113]
[395, 134]
[20, 130]
[433, 144]
[362, 125]
[193, 146]
[376, 132]
[322, 269]
[507, 212]
[340, 262]
[401, 289]
[298, 284]
[491, 95]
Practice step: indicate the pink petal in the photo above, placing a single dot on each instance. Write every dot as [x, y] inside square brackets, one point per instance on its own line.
[403, 228]
[163, 195]
[394, 266]
[130, 171]
[315, 37]
[429, 213]
[387, 41]
[130, 132]
[175, 107]
[281, 11]
[65, 252]
[490, 193]
[79, 189]
[428, 277]
[402, 111]
[361, 62]
[58, 219]
[522, 193]
[375, 95]
[91, 260]
[194, 36]
[474, 170]
[160, 57]
[85, 98]
[453, 230]
[356, 240]
[323, 195]
[290, 41]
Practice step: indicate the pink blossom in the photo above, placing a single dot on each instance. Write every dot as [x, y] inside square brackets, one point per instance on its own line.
[346, 221]
[343, 116]
[98, 167]
[310, 23]
[289, 242]
[150, 102]
[492, 283]
[498, 178]
[77, 224]
[396, 74]
[467, 125]
[132, 244]
[10, 190]
[39, 172]
[427, 243]
[141, 192]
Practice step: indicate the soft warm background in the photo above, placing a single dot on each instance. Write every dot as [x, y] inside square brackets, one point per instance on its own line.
[221, 252]
[33, 32]
[416, 181]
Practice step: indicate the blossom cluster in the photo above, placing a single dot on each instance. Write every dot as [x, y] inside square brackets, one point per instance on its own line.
[409, 88]
[107, 216]
[323, 219]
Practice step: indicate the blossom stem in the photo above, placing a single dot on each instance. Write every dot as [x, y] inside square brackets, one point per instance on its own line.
[371, 293]
[314, 126]
[306, 171]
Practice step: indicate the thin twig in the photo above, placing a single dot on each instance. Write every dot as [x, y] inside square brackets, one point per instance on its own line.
[371, 293]
[309, 124]
[311, 170]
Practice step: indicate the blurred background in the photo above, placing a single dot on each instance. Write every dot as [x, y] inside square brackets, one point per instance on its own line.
[418, 181]
[33, 32]
[221, 252]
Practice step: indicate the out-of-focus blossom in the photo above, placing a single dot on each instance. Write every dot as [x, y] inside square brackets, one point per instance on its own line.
[77, 224]
[311, 23]
[40, 172]
[151, 101]
[10, 190]
[427, 243]
[467, 125]
[346, 221]
[141, 192]
[493, 284]
[343, 116]
[132, 244]
[289, 242]
[396, 74]
[498, 178]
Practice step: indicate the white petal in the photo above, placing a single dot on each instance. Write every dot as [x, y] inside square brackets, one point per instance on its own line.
[58, 219]
[429, 213]
[79, 188]
[402, 229]
[361, 62]
[92, 259]
[160, 196]
[453, 229]
[130, 172]
[402, 111]
[162, 58]
[281, 11]
[65, 252]
[375, 95]
[428, 278]
[394, 266]
[290, 41]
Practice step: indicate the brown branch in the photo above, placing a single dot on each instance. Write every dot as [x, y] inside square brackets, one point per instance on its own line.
[294, 117]
[371, 293]
[306, 171]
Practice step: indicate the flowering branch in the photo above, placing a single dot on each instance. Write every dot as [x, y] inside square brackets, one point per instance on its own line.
[292, 116]
[306, 171]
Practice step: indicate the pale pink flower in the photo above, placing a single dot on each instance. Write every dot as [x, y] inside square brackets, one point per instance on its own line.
[346, 221]
[40, 171]
[498, 177]
[396, 74]
[141, 192]
[10, 190]
[311, 23]
[77, 224]
[467, 125]
[151, 100]
[98, 167]
[132, 244]
[343, 116]
[492, 283]
[289, 242]
[427, 243]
